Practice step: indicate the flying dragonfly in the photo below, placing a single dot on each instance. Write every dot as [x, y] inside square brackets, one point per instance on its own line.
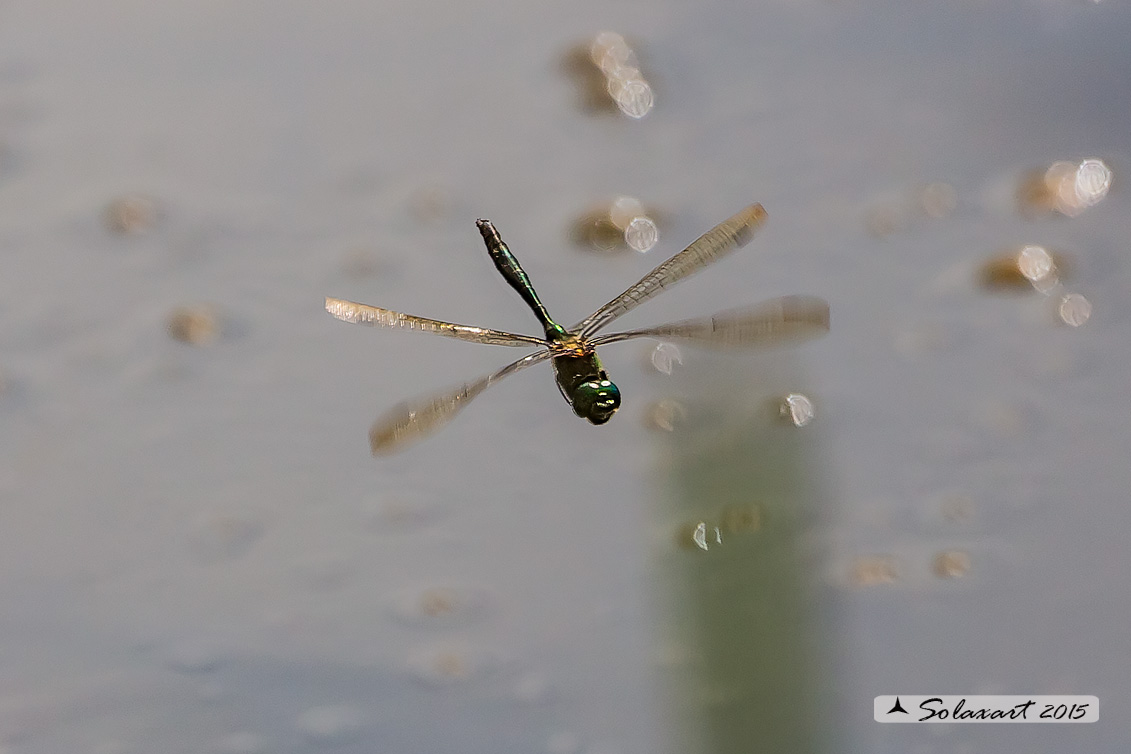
[572, 351]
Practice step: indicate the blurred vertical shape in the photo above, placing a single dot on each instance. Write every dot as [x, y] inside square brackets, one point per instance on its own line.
[608, 76]
[623, 80]
[740, 656]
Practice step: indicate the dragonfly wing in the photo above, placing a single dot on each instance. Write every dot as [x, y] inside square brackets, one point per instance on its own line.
[362, 314]
[409, 422]
[712, 245]
[781, 320]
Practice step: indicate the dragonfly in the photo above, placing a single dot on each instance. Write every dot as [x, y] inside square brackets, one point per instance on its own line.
[572, 351]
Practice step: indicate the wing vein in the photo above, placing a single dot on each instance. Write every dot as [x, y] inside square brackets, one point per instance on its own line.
[781, 320]
[409, 422]
[709, 247]
[374, 316]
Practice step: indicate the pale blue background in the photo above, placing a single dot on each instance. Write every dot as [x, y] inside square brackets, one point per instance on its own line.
[197, 552]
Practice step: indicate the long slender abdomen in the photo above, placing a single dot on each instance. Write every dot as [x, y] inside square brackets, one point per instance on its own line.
[513, 273]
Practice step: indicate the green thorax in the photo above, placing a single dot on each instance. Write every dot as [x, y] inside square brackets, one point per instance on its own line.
[581, 378]
[585, 385]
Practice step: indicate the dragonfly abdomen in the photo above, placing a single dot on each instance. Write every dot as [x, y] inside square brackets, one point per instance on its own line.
[512, 272]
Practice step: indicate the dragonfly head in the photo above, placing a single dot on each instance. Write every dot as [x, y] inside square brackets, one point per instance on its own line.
[596, 400]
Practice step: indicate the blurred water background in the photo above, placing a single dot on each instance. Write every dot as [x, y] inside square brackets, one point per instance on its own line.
[198, 554]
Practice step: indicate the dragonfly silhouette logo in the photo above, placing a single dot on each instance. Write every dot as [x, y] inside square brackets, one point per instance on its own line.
[897, 707]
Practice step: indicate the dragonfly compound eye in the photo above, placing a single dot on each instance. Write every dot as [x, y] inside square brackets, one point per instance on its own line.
[596, 400]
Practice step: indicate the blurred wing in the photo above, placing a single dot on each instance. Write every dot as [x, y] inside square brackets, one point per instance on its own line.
[712, 245]
[361, 314]
[409, 422]
[781, 320]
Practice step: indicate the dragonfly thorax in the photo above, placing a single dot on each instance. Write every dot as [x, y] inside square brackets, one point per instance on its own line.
[573, 353]
[568, 344]
[584, 384]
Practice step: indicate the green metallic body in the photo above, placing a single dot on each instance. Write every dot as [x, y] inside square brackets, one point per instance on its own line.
[581, 379]
[579, 374]
[586, 386]
[512, 272]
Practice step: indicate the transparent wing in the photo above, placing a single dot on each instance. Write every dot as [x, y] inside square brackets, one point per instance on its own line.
[712, 245]
[374, 316]
[409, 422]
[780, 320]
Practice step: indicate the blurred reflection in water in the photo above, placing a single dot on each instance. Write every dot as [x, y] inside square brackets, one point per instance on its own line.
[1074, 309]
[1029, 266]
[741, 658]
[1066, 187]
[622, 223]
[870, 570]
[664, 357]
[665, 414]
[609, 78]
[197, 325]
[625, 84]
[797, 408]
[1035, 264]
[132, 214]
[952, 564]
[641, 234]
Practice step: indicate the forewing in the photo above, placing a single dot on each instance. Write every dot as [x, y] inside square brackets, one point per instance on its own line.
[712, 245]
[409, 422]
[781, 320]
[363, 314]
